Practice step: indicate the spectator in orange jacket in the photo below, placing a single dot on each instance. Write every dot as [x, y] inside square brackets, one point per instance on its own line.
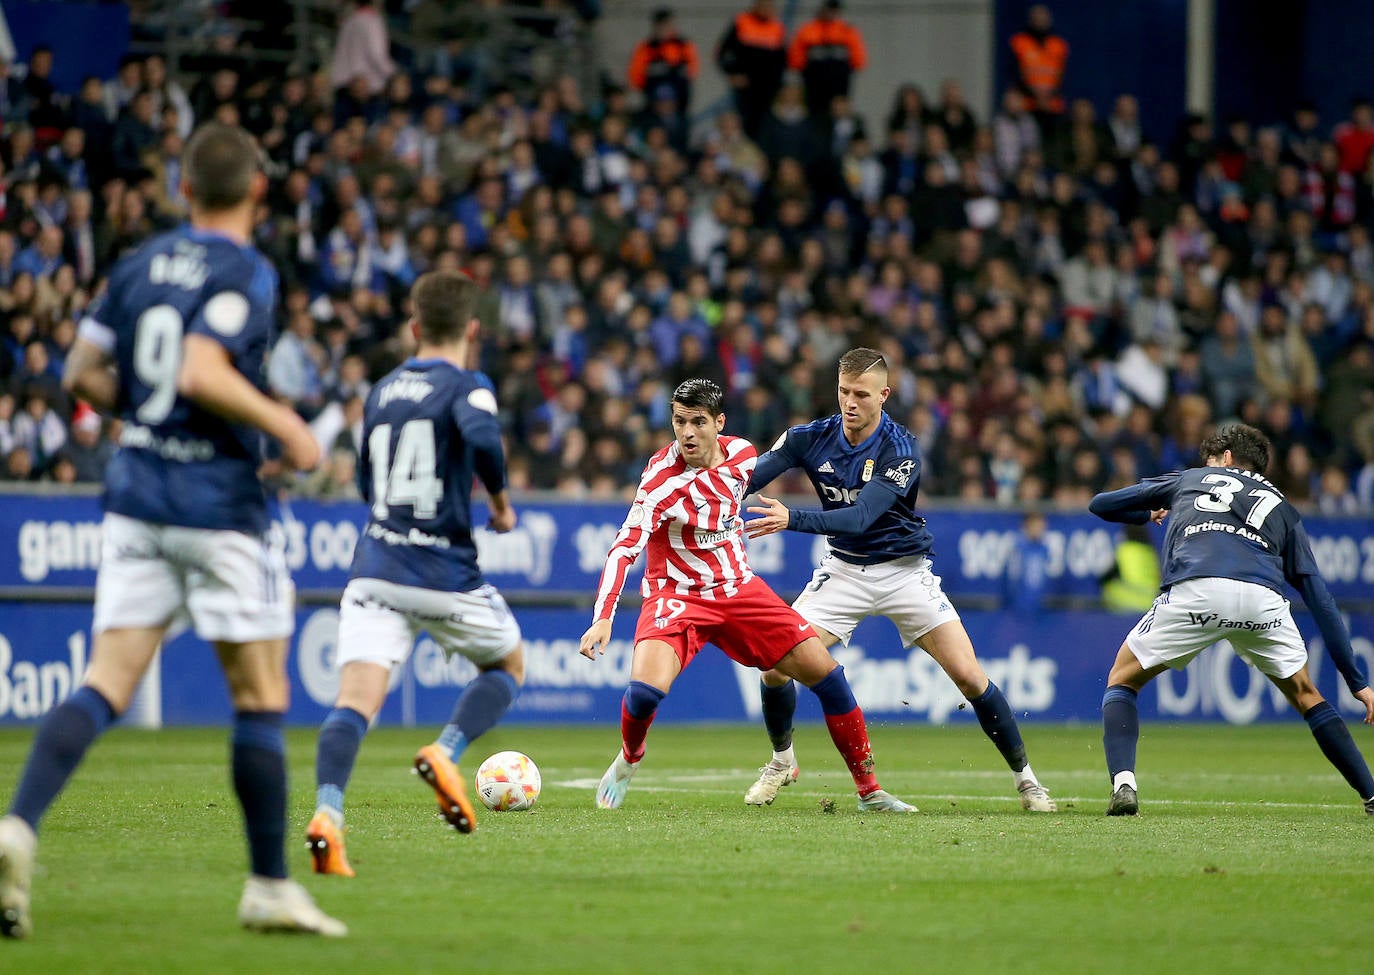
[753, 55]
[827, 51]
[1041, 58]
[664, 59]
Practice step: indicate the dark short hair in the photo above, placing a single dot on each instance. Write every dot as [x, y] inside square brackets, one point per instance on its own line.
[700, 394]
[858, 361]
[1249, 447]
[219, 162]
[445, 301]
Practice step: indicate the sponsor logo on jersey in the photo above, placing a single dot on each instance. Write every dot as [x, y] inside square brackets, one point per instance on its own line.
[826, 468]
[868, 470]
[1221, 623]
[899, 475]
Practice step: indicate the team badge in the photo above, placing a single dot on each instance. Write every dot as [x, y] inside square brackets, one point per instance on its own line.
[868, 471]
[661, 622]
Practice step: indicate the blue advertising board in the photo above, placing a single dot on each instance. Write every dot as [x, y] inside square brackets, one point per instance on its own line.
[1052, 668]
[558, 548]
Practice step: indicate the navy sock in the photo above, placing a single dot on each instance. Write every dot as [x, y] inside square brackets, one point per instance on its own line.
[637, 710]
[834, 693]
[259, 768]
[341, 736]
[641, 699]
[999, 724]
[1339, 748]
[779, 707]
[1120, 728]
[58, 747]
[483, 702]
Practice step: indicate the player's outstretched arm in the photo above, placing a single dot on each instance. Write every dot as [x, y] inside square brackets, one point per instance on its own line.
[1135, 505]
[89, 374]
[209, 379]
[502, 517]
[595, 639]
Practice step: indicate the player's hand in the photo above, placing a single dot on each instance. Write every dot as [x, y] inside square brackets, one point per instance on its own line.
[502, 519]
[1158, 515]
[775, 517]
[299, 450]
[595, 639]
[1366, 697]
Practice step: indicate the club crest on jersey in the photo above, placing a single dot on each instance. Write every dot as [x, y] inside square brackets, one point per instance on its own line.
[901, 474]
[868, 470]
[661, 621]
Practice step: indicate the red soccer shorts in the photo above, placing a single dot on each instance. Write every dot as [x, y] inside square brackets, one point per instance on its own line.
[754, 626]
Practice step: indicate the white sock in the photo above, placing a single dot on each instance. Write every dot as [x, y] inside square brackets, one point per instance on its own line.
[1027, 774]
[1123, 778]
[786, 756]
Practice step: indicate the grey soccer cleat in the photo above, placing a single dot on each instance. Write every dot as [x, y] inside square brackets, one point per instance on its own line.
[881, 801]
[17, 846]
[283, 905]
[772, 777]
[1034, 797]
[1124, 802]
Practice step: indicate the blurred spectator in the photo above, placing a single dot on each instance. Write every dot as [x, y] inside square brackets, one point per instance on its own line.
[1041, 59]
[1133, 581]
[753, 56]
[665, 59]
[827, 51]
[88, 451]
[1354, 138]
[362, 50]
[1027, 575]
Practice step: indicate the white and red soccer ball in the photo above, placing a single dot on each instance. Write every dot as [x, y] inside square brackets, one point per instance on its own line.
[508, 782]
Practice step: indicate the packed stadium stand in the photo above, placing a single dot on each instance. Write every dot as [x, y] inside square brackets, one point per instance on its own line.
[1067, 305]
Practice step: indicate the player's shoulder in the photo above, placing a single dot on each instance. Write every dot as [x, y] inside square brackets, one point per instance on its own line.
[737, 449]
[897, 438]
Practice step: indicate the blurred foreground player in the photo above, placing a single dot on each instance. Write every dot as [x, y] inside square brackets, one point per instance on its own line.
[176, 349]
[1233, 541]
[698, 588]
[429, 428]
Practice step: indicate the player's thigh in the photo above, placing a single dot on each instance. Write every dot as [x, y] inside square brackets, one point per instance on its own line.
[754, 626]
[477, 625]
[657, 663]
[809, 662]
[1263, 633]
[950, 647]
[119, 659]
[238, 589]
[1299, 690]
[1127, 670]
[1175, 628]
[138, 585]
[908, 592]
[363, 686]
[375, 624]
[838, 597]
[255, 671]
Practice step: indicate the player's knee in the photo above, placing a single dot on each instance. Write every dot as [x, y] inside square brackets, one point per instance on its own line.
[642, 700]
[774, 678]
[514, 664]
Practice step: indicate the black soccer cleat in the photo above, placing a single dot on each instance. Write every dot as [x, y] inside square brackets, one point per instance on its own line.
[1124, 802]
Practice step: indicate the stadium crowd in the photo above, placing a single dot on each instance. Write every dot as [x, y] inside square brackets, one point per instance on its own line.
[1066, 304]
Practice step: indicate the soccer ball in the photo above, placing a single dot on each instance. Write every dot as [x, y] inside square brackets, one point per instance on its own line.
[508, 781]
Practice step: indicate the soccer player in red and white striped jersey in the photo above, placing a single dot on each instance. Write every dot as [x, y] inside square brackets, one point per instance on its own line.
[698, 588]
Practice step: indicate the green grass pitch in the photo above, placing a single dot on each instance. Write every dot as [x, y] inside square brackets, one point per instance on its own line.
[1250, 855]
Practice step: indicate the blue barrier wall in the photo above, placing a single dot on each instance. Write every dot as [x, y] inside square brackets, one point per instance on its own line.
[560, 547]
[1052, 668]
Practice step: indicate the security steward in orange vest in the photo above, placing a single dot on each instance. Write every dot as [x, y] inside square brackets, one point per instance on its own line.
[1041, 58]
[753, 55]
[827, 51]
[665, 59]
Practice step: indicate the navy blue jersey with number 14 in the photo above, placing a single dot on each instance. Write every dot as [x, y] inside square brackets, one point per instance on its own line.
[428, 429]
[179, 464]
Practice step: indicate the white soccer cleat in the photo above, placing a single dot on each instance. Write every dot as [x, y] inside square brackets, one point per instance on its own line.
[1034, 798]
[610, 791]
[17, 847]
[1369, 807]
[284, 905]
[772, 777]
[881, 801]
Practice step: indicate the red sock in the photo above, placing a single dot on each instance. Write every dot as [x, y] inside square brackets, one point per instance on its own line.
[634, 730]
[850, 735]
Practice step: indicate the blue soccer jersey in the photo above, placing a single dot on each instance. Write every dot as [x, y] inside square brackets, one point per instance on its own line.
[1224, 522]
[429, 428]
[179, 464]
[867, 491]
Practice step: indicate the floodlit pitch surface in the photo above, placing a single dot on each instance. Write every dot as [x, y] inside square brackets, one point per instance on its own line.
[1250, 855]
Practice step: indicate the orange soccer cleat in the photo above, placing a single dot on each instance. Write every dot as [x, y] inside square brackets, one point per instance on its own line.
[443, 777]
[324, 839]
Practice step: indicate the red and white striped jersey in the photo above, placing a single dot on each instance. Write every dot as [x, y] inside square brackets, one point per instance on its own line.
[689, 520]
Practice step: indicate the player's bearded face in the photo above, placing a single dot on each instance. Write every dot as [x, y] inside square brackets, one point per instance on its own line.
[698, 435]
[861, 400]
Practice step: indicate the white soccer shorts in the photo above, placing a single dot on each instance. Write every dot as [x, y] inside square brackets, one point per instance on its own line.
[379, 621]
[841, 595]
[1196, 613]
[234, 587]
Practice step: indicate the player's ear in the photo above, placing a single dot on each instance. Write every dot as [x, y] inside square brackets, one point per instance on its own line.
[414, 326]
[470, 333]
[257, 186]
